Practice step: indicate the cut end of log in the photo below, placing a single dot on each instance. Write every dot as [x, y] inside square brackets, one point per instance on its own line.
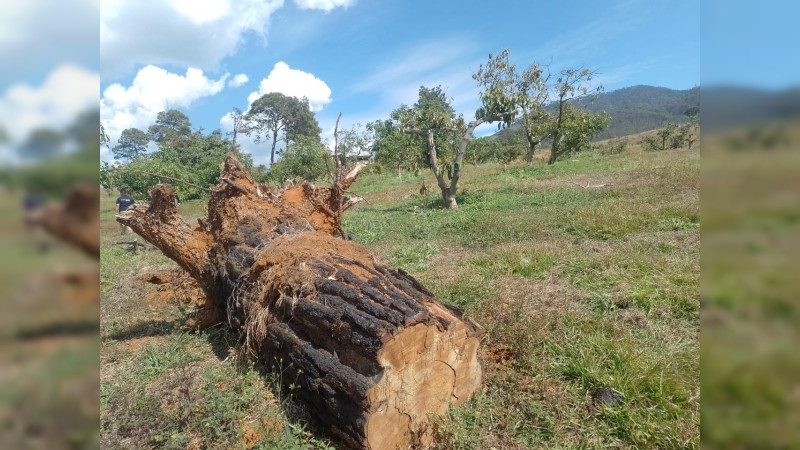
[425, 371]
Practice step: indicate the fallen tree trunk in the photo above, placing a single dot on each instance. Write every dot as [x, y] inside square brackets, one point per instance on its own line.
[375, 356]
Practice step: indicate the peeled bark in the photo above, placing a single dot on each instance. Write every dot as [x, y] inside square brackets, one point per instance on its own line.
[375, 356]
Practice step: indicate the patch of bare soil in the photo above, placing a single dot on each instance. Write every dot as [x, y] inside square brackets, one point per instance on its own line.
[136, 344]
[173, 286]
[497, 355]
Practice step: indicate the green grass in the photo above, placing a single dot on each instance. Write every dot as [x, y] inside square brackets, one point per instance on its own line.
[751, 239]
[576, 289]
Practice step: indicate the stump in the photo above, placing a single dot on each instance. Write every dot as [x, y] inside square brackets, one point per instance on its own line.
[374, 354]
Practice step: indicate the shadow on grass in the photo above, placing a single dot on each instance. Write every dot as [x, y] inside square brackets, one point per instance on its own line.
[294, 409]
[147, 328]
[222, 340]
[425, 202]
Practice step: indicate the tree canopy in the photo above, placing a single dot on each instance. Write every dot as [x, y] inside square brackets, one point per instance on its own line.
[131, 144]
[276, 117]
[196, 163]
[305, 158]
[169, 126]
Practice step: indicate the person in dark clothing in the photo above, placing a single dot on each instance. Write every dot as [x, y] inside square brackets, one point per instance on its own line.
[124, 201]
[32, 201]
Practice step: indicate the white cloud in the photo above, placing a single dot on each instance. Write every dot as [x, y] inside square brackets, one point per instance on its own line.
[295, 83]
[66, 92]
[324, 5]
[202, 11]
[38, 35]
[238, 80]
[153, 90]
[188, 33]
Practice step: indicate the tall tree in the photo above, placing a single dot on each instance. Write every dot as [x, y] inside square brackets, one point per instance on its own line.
[275, 117]
[537, 123]
[170, 126]
[434, 119]
[302, 121]
[571, 85]
[131, 145]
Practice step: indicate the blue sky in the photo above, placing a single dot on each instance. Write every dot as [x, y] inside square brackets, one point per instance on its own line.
[366, 57]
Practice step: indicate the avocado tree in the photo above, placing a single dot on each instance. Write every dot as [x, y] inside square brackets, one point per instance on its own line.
[392, 147]
[239, 125]
[433, 119]
[579, 128]
[537, 122]
[571, 86]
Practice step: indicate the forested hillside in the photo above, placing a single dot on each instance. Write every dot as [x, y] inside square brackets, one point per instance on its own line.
[639, 108]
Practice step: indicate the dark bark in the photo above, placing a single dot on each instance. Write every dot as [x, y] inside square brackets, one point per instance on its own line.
[274, 143]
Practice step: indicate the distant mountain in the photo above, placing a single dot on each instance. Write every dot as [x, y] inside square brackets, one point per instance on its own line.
[641, 108]
[638, 108]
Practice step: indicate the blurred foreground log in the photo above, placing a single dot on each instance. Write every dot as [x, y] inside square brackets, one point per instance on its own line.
[75, 221]
[375, 356]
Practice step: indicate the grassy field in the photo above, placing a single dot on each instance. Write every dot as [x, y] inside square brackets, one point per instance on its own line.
[577, 289]
[751, 258]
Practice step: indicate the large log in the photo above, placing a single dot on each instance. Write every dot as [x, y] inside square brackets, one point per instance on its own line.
[374, 354]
